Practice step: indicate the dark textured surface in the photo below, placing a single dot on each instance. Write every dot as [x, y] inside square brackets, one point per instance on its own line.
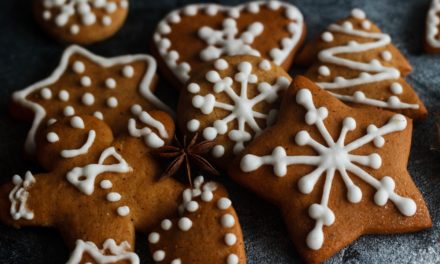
[28, 55]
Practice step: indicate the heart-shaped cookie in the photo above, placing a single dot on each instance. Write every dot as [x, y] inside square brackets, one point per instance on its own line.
[188, 37]
[208, 230]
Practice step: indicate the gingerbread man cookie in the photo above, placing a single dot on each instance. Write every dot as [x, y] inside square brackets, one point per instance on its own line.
[273, 30]
[81, 21]
[207, 230]
[335, 172]
[359, 65]
[114, 90]
[232, 100]
[97, 190]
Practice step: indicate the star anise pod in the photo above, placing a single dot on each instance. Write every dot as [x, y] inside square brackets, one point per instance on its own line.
[188, 154]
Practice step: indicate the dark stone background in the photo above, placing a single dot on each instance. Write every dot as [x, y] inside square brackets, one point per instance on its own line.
[28, 55]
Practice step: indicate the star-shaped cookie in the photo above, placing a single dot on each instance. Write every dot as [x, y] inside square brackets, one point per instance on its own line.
[87, 84]
[358, 64]
[335, 172]
[96, 190]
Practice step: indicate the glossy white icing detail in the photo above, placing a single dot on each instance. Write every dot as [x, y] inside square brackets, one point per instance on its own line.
[123, 210]
[110, 252]
[77, 122]
[335, 156]
[432, 23]
[151, 139]
[71, 153]
[110, 83]
[52, 137]
[79, 67]
[88, 99]
[46, 94]
[83, 178]
[232, 259]
[144, 89]
[68, 111]
[184, 224]
[154, 238]
[19, 196]
[229, 40]
[113, 197]
[166, 224]
[86, 81]
[241, 108]
[106, 184]
[112, 102]
[371, 72]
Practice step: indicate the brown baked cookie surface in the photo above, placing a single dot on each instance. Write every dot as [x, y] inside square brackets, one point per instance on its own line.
[335, 172]
[81, 21]
[97, 190]
[115, 90]
[432, 37]
[188, 37]
[230, 101]
[358, 64]
[207, 231]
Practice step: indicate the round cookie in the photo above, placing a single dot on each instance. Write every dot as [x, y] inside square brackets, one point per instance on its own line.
[81, 21]
[230, 101]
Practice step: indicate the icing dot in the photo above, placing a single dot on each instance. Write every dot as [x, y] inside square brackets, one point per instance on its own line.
[207, 196]
[386, 55]
[176, 261]
[230, 239]
[63, 95]
[366, 24]
[68, 111]
[396, 88]
[324, 70]
[232, 259]
[274, 5]
[193, 88]
[111, 7]
[166, 224]
[124, 4]
[193, 125]
[86, 81]
[46, 93]
[223, 203]
[327, 36]
[74, 29]
[47, 15]
[106, 184]
[77, 122]
[113, 197]
[227, 221]
[79, 67]
[218, 151]
[221, 64]
[98, 115]
[51, 121]
[88, 99]
[358, 13]
[136, 109]
[128, 71]
[123, 210]
[52, 137]
[159, 255]
[110, 83]
[190, 10]
[153, 238]
[347, 25]
[106, 20]
[265, 65]
[112, 102]
[184, 224]
[192, 206]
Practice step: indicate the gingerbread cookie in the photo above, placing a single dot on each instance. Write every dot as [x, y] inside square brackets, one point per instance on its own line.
[335, 172]
[432, 38]
[81, 21]
[359, 65]
[207, 231]
[114, 90]
[97, 190]
[273, 30]
[230, 101]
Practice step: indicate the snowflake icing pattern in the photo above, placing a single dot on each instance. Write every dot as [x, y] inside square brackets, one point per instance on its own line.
[224, 42]
[241, 108]
[335, 157]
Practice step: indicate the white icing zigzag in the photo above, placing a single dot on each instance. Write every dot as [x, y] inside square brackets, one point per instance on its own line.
[371, 72]
[40, 112]
[224, 41]
[110, 252]
[332, 157]
[432, 23]
[241, 108]
[19, 196]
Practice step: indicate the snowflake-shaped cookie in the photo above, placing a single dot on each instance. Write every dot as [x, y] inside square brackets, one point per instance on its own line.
[230, 94]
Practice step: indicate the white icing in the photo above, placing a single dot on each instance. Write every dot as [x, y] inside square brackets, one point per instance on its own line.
[51, 121]
[123, 210]
[86, 81]
[144, 89]
[46, 93]
[386, 55]
[221, 64]
[192, 206]
[193, 88]
[88, 99]
[396, 88]
[106, 184]
[98, 115]
[151, 139]
[432, 23]
[159, 255]
[110, 83]
[77, 122]
[241, 108]
[110, 252]
[223, 203]
[19, 196]
[230, 239]
[227, 221]
[335, 156]
[232, 259]
[71, 153]
[327, 36]
[227, 41]
[52, 137]
[265, 65]
[366, 24]
[358, 13]
[128, 71]
[166, 224]
[371, 72]
[218, 151]
[63, 95]
[68, 111]
[154, 238]
[106, 21]
[83, 178]
[79, 67]
[184, 224]
[324, 70]
[113, 197]
[74, 29]
[193, 125]
[176, 261]
[112, 102]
